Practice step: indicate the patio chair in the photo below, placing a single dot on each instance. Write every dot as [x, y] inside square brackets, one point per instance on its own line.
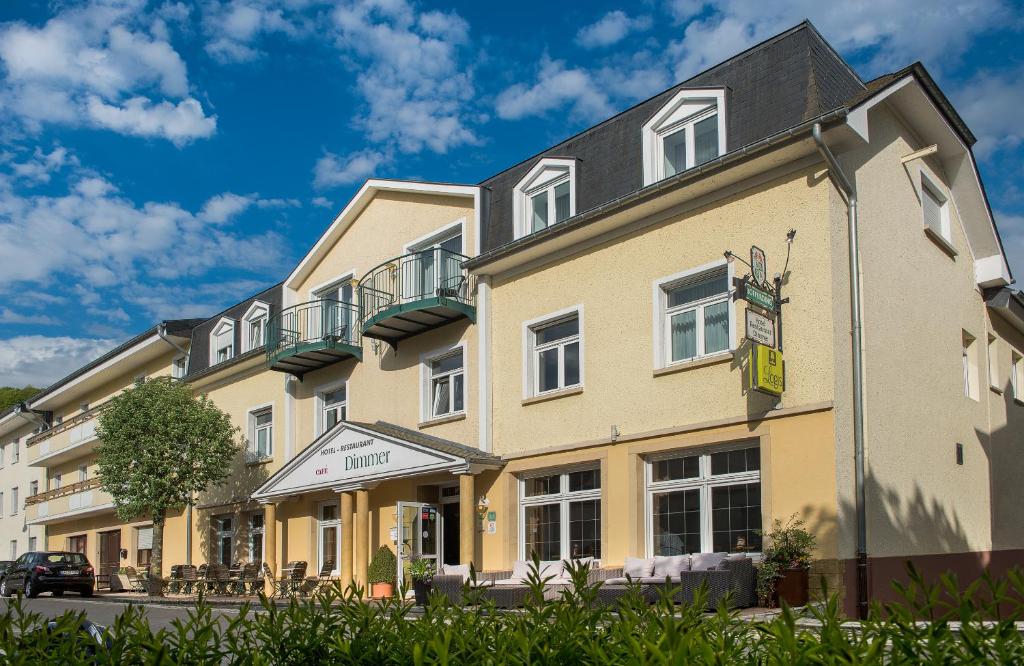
[204, 583]
[189, 578]
[135, 581]
[219, 578]
[293, 576]
[175, 584]
[232, 584]
[275, 583]
[324, 578]
[250, 581]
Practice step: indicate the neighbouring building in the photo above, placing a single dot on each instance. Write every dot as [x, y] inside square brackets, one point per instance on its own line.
[556, 360]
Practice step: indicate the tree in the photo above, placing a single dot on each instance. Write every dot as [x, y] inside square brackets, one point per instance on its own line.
[160, 445]
[10, 395]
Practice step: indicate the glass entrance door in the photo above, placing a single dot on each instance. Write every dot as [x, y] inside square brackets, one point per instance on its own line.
[419, 527]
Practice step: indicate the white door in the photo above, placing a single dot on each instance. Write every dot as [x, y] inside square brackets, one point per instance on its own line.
[419, 533]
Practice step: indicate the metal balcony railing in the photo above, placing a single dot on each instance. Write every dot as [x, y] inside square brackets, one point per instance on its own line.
[424, 279]
[321, 325]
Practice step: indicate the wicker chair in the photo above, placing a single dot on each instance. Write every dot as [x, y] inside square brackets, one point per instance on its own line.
[134, 580]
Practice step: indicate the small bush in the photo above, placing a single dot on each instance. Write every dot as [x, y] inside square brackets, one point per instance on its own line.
[383, 567]
[973, 625]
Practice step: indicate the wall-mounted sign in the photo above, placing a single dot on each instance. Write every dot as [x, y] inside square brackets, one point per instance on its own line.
[758, 265]
[760, 329]
[492, 527]
[492, 515]
[759, 297]
[767, 370]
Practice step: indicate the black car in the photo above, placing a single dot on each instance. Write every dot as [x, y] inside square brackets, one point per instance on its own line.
[5, 565]
[56, 572]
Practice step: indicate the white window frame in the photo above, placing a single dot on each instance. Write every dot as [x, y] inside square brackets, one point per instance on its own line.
[686, 108]
[1017, 375]
[179, 367]
[704, 482]
[16, 453]
[438, 236]
[33, 488]
[83, 473]
[319, 404]
[14, 500]
[257, 531]
[254, 412]
[318, 291]
[220, 533]
[531, 352]
[258, 313]
[226, 325]
[563, 499]
[14, 549]
[661, 324]
[427, 380]
[32, 542]
[547, 174]
[320, 525]
[939, 193]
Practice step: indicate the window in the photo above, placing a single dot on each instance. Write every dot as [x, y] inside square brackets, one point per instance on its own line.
[256, 532]
[1017, 375]
[445, 385]
[686, 132]
[333, 408]
[15, 452]
[223, 539]
[561, 515]
[261, 424]
[254, 325]
[14, 549]
[435, 268]
[83, 473]
[56, 481]
[33, 488]
[555, 353]
[970, 366]
[31, 544]
[694, 315]
[993, 363]
[959, 453]
[545, 196]
[705, 502]
[78, 543]
[144, 547]
[222, 341]
[337, 319]
[934, 208]
[329, 529]
[179, 367]
[14, 500]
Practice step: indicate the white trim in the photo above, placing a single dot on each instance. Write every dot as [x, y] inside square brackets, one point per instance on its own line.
[658, 308]
[289, 416]
[426, 398]
[562, 498]
[662, 125]
[223, 321]
[345, 276]
[318, 403]
[526, 189]
[438, 236]
[320, 525]
[262, 532]
[483, 359]
[356, 205]
[250, 415]
[927, 180]
[262, 310]
[528, 346]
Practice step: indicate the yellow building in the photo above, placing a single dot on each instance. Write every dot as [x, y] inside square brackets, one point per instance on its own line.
[558, 359]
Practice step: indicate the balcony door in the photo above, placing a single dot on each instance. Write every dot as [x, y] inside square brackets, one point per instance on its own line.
[336, 320]
[433, 270]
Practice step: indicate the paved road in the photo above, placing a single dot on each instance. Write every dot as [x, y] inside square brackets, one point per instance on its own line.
[104, 612]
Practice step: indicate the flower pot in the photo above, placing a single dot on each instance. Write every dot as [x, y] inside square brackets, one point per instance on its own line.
[791, 587]
[421, 588]
[382, 590]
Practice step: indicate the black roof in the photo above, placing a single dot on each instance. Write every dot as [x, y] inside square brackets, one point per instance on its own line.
[789, 79]
[199, 351]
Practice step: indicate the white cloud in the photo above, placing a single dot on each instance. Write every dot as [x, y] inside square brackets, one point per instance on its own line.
[41, 166]
[322, 202]
[39, 360]
[991, 104]
[610, 29]
[224, 207]
[556, 86]
[100, 65]
[409, 69]
[1011, 230]
[8, 316]
[235, 28]
[332, 170]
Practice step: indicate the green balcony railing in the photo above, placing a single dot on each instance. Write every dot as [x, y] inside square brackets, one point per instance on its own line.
[430, 282]
[312, 335]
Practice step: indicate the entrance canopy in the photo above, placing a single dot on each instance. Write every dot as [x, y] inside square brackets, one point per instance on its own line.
[355, 455]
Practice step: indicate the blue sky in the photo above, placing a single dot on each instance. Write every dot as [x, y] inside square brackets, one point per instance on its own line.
[166, 159]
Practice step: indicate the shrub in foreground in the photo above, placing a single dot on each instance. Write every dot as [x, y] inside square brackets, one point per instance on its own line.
[937, 623]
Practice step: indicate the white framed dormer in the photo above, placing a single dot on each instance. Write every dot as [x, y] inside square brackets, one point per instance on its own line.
[687, 308]
[254, 326]
[685, 133]
[553, 353]
[443, 388]
[222, 341]
[545, 196]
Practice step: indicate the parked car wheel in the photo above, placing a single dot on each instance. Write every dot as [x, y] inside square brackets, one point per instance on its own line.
[4, 590]
[30, 589]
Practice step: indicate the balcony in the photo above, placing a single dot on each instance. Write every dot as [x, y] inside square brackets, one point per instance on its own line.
[414, 293]
[84, 498]
[313, 335]
[66, 441]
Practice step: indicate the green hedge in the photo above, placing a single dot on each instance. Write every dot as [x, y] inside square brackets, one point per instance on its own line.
[333, 628]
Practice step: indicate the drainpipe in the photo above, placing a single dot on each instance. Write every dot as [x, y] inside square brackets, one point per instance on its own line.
[161, 330]
[840, 179]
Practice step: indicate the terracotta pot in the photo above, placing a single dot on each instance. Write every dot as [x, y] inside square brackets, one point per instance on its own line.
[792, 586]
[382, 590]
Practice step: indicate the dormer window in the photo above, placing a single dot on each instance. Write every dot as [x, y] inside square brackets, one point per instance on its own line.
[254, 325]
[545, 196]
[222, 341]
[686, 132]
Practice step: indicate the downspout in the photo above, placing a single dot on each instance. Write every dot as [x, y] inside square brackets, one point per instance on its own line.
[161, 330]
[839, 177]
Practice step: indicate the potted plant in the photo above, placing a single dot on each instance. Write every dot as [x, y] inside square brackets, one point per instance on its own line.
[382, 573]
[421, 571]
[785, 563]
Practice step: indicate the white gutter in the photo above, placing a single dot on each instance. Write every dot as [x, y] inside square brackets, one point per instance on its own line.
[844, 184]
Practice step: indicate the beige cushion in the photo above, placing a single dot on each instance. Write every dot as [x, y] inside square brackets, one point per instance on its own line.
[456, 570]
[706, 561]
[520, 570]
[670, 565]
[638, 567]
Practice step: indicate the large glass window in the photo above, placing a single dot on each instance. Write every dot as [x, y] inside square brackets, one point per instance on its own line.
[223, 539]
[696, 316]
[556, 354]
[561, 515]
[705, 502]
[446, 384]
[334, 408]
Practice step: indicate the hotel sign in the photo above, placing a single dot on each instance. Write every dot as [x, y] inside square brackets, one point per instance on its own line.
[767, 370]
[758, 265]
[760, 329]
[759, 297]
